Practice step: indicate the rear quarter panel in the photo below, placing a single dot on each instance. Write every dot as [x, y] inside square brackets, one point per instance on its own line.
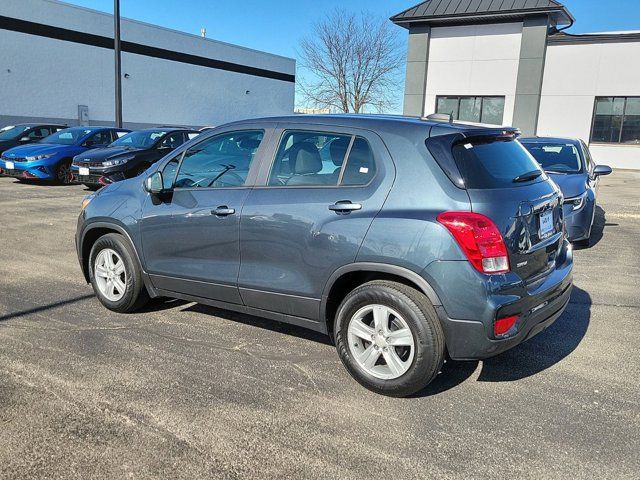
[406, 232]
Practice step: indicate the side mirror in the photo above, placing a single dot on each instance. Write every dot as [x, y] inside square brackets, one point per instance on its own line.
[88, 144]
[25, 140]
[154, 184]
[602, 170]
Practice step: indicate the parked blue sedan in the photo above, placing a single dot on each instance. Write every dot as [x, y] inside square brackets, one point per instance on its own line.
[51, 157]
[569, 163]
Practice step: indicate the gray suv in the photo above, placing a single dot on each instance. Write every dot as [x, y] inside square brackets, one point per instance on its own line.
[403, 239]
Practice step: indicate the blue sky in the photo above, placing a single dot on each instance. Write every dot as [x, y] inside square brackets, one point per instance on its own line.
[277, 26]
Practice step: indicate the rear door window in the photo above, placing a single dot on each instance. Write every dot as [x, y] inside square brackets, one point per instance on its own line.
[317, 159]
[493, 164]
[101, 138]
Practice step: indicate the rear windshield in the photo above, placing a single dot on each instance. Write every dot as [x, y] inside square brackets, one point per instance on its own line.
[494, 164]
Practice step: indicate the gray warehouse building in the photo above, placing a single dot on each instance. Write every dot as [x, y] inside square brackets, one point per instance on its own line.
[57, 64]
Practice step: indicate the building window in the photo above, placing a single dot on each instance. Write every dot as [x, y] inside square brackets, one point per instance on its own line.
[473, 109]
[616, 120]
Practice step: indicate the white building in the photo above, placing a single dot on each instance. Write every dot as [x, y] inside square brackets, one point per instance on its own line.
[57, 65]
[505, 62]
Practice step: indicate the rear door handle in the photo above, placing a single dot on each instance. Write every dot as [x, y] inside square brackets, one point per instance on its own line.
[345, 207]
[223, 211]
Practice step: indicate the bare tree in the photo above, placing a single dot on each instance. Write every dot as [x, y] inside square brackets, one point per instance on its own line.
[351, 63]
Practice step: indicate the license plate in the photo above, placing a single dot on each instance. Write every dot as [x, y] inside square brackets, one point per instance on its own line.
[10, 165]
[546, 224]
[84, 171]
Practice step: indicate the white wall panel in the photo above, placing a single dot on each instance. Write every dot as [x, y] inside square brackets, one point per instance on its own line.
[474, 60]
[575, 74]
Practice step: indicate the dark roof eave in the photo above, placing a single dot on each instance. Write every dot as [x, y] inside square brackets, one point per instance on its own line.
[564, 17]
[613, 37]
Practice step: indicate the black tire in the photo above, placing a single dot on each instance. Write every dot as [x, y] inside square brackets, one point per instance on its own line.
[63, 173]
[135, 295]
[422, 320]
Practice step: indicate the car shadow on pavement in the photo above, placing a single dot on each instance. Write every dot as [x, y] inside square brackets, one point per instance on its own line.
[527, 359]
[263, 323]
[161, 303]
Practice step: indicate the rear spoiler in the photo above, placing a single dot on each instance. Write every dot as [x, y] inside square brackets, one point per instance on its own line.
[502, 134]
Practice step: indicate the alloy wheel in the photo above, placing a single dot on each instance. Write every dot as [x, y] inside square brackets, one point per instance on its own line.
[64, 173]
[381, 342]
[110, 275]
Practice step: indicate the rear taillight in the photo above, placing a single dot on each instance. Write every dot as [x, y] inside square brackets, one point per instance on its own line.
[479, 239]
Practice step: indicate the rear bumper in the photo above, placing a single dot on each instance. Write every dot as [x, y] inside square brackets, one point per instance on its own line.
[471, 337]
[467, 340]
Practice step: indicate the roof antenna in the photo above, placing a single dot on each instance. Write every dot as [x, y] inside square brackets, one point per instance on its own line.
[203, 32]
[441, 117]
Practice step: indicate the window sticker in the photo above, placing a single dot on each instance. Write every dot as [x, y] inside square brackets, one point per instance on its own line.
[468, 146]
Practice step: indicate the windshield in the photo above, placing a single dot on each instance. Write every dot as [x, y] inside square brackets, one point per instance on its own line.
[70, 136]
[556, 157]
[141, 139]
[495, 164]
[11, 132]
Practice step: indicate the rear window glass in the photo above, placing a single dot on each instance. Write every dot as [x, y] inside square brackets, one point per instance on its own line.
[493, 164]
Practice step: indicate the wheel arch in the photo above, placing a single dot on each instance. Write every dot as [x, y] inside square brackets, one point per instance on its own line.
[92, 233]
[348, 277]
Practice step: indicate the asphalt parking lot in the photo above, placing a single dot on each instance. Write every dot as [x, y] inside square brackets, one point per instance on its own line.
[187, 391]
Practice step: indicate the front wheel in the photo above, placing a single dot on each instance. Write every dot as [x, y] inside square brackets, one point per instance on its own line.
[389, 338]
[63, 172]
[115, 275]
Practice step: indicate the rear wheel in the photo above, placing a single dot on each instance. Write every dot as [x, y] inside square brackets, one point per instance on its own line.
[115, 275]
[389, 338]
[63, 172]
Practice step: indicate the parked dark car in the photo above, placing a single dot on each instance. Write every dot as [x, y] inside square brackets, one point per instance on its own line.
[569, 163]
[14, 135]
[128, 156]
[50, 158]
[401, 238]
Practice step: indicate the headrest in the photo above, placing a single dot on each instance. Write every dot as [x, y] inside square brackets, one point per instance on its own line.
[338, 150]
[360, 153]
[305, 159]
[249, 143]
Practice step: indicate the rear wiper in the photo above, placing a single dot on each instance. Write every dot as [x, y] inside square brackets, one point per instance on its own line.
[527, 176]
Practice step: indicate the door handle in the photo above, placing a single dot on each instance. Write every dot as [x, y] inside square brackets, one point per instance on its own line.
[345, 207]
[223, 211]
